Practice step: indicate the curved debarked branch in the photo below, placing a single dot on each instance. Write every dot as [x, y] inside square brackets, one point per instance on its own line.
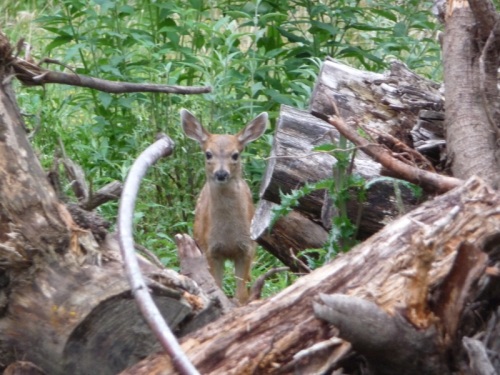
[162, 147]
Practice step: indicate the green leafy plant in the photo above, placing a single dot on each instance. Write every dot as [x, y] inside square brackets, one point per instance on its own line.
[341, 188]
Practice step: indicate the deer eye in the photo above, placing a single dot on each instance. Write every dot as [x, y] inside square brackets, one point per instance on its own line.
[208, 155]
[235, 156]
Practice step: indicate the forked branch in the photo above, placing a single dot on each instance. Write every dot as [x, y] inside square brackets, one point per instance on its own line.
[427, 180]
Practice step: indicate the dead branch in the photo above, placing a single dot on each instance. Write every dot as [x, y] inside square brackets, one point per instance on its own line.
[259, 283]
[429, 181]
[109, 192]
[479, 362]
[404, 152]
[112, 87]
[31, 74]
[194, 265]
[162, 147]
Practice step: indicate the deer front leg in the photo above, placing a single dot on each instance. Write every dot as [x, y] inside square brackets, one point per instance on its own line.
[242, 267]
[216, 268]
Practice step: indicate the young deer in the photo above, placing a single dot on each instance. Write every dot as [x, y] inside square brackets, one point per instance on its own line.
[225, 209]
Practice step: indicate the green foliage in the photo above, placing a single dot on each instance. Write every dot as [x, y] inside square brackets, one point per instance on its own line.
[342, 187]
[256, 55]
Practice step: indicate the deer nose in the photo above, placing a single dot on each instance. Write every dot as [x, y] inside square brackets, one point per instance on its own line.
[221, 175]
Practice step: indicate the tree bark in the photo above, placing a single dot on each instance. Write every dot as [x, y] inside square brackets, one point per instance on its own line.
[426, 272]
[472, 117]
[288, 236]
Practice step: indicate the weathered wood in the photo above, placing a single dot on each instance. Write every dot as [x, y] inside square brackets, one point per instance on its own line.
[388, 103]
[407, 270]
[289, 235]
[91, 317]
[293, 162]
[30, 216]
[105, 194]
[428, 137]
[472, 109]
[23, 368]
[194, 265]
[398, 102]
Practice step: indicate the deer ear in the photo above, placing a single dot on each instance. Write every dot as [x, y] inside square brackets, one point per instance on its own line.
[253, 130]
[192, 127]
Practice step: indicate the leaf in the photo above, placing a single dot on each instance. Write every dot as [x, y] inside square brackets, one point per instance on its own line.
[105, 99]
[400, 29]
[279, 97]
[292, 37]
[58, 41]
[388, 14]
[367, 27]
[328, 27]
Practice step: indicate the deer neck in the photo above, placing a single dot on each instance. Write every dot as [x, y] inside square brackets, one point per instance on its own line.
[230, 194]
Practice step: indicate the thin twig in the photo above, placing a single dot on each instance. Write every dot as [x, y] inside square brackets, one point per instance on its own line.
[299, 262]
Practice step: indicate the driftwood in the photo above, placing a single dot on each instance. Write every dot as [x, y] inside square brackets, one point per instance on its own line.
[425, 275]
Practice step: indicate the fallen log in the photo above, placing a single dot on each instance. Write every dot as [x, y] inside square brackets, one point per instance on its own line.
[397, 106]
[426, 271]
[293, 162]
[289, 235]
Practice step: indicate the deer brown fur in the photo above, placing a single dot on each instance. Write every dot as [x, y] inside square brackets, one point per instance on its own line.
[224, 209]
